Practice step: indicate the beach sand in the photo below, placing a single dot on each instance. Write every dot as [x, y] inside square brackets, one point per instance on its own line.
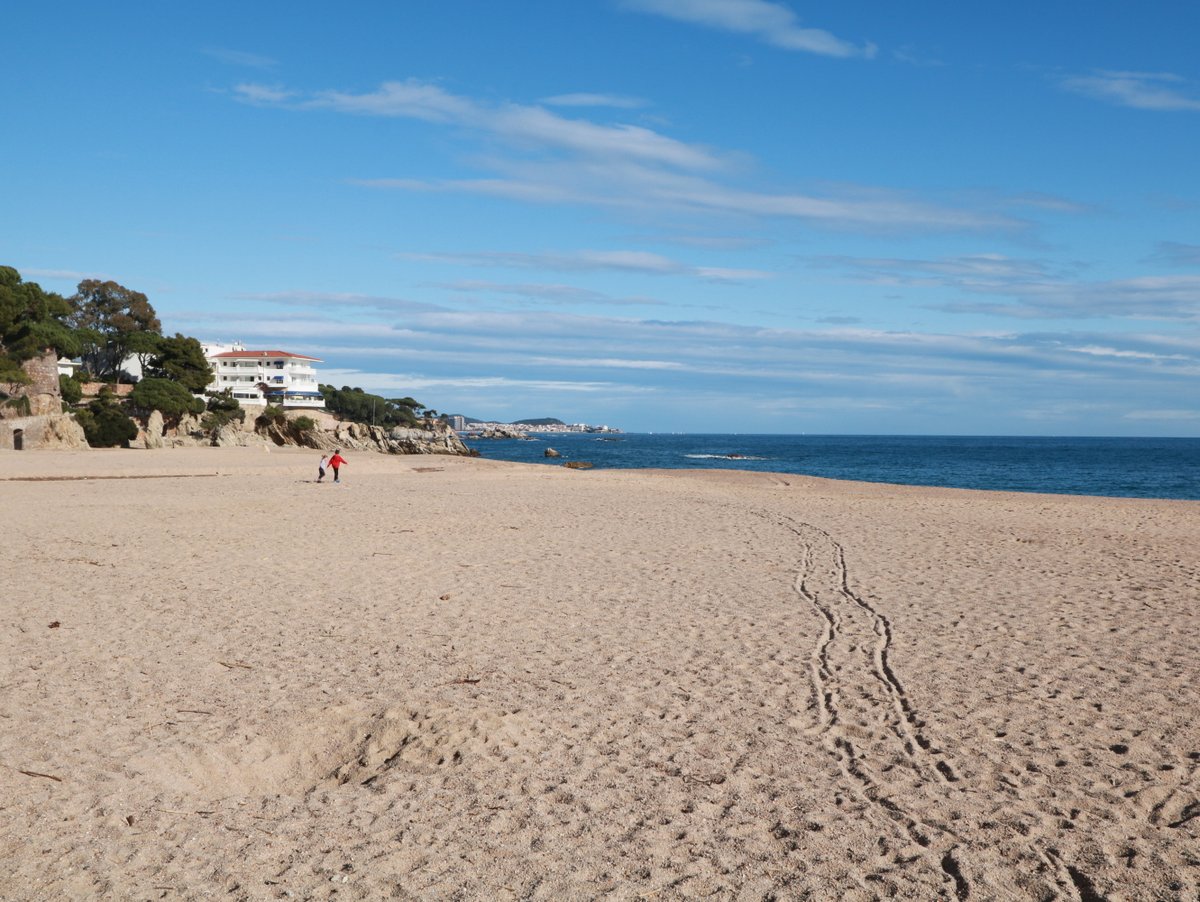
[465, 679]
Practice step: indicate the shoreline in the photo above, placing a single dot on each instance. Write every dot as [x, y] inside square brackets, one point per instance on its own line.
[251, 458]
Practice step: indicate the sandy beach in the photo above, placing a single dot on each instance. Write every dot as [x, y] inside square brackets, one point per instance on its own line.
[465, 679]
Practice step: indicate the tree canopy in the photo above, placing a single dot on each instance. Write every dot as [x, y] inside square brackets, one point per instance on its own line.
[362, 407]
[105, 424]
[170, 398]
[31, 321]
[108, 316]
[182, 359]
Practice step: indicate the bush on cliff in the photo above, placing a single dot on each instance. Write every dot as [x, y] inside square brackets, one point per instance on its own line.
[105, 424]
[170, 398]
[271, 416]
[223, 409]
[70, 389]
[360, 407]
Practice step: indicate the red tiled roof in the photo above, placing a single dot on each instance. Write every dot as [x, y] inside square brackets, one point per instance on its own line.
[259, 355]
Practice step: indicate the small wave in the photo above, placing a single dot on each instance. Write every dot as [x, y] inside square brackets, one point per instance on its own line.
[725, 457]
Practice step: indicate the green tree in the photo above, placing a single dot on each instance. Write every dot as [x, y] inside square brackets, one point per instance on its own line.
[223, 408]
[108, 315]
[361, 407]
[70, 389]
[143, 346]
[105, 424]
[170, 398]
[32, 321]
[182, 359]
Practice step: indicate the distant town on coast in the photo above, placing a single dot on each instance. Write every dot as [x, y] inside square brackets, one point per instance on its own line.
[470, 427]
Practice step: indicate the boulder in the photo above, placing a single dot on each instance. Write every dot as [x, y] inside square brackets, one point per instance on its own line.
[550, 452]
[578, 465]
[64, 433]
[154, 430]
[230, 435]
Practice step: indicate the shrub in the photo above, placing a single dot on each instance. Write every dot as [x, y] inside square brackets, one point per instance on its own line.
[105, 425]
[70, 389]
[223, 409]
[304, 424]
[271, 416]
[166, 396]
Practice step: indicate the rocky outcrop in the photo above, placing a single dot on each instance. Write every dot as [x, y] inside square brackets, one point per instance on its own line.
[438, 439]
[152, 435]
[500, 432]
[58, 432]
[550, 452]
[327, 434]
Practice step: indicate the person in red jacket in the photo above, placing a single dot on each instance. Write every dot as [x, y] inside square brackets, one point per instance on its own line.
[335, 463]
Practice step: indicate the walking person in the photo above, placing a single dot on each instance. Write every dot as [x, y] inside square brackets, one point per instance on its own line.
[321, 468]
[335, 463]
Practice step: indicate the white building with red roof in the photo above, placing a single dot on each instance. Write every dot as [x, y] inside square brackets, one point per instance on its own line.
[264, 377]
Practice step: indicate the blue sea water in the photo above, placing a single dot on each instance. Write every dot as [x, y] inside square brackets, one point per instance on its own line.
[1120, 467]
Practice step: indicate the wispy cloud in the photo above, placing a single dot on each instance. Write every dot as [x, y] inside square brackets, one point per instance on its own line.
[263, 95]
[1170, 415]
[616, 101]
[1177, 254]
[911, 56]
[483, 361]
[1160, 91]
[1036, 289]
[772, 23]
[70, 274]
[1051, 203]
[550, 293]
[337, 300]
[642, 262]
[527, 126]
[553, 159]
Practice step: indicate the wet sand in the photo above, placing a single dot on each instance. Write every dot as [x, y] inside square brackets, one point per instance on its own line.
[455, 678]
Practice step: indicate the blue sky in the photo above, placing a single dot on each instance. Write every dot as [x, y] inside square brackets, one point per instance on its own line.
[663, 215]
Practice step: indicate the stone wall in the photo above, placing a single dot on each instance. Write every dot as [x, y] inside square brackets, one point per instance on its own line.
[45, 433]
[44, 397]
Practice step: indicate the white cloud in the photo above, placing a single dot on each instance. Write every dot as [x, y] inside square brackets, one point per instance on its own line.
[1040, 291]
[617, 101]
[325, 299]
[1170, 415]
[417, 382]
[70, 274]
[771, 23]
[553, 159]
[1160, 91]
[263, 95]
[521, 124]
[553, 293]
[594, 261]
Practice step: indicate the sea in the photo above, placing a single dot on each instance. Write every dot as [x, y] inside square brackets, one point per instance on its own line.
[1115, 467]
